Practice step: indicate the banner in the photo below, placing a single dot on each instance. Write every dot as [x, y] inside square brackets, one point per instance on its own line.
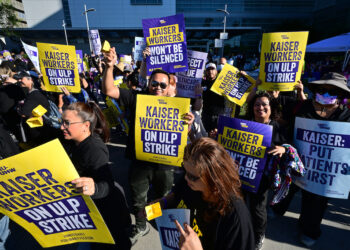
[160, 130]
[32, 53]
[247, 142]
[140, 45]
[189, 82]
[324, 148]
[80, 61]
[166, 38]
[95, 41]
[233, 85]
[281, 60]
[36, 193]
[58, 65]
[168, 233]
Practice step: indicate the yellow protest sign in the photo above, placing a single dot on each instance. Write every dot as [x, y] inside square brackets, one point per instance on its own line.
[281, 59]
[233, 85]
[106, 47]
[34, 122]
[160, 130]
[39, 111]
[153, 211]
[36, 193]
[58, 64]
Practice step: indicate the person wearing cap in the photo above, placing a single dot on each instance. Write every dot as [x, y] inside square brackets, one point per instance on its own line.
[326, 105]
[142, 173]
[213, 104]
[33, 98]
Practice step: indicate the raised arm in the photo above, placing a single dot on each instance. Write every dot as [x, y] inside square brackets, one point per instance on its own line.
[108, 87]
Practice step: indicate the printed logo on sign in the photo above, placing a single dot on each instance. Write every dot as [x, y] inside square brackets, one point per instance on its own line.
[284, 37]
[244, 125]
[323, 126]
[170, 237]
[162, 21]
[160, 101]
[5, 170]
[54, 48]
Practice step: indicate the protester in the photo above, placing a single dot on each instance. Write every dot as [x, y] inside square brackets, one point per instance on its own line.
[213, 104]
[142, 173]
[222, 63]
[325, 106]
[211, 190]
[85, 125]
[264, 109]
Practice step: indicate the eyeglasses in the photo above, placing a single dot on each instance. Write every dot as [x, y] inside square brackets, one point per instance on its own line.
[66, 123]
[331, 92]
[191, 177]
[155, 84]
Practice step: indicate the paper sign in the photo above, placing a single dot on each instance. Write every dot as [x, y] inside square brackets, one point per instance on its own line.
[59, 67]
[281, 60]
[33, 55]
[168, 233]
[160, 130]
[324, 148]
[189, 82]
[36, 193]
[166, 38]
[232, 84]
[95, 41]
[153, 211]
[247, 142]
[140, 45]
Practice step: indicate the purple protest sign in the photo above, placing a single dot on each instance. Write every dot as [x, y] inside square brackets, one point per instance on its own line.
[166, 38]
[80, 61]
[189, 82]
[247, 143]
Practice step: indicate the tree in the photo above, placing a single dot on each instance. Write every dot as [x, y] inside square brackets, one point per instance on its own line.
[8, 18]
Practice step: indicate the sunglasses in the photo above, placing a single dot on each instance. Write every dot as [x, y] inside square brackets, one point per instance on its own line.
[162, 85]
[331, 92]
[66, 123]
[191, 177]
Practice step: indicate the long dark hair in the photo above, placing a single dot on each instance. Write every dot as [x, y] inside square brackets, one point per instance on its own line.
[91, 112]
[217, 170]
[274, 105]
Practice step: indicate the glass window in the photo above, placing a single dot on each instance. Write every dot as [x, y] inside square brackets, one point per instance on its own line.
[146, 2]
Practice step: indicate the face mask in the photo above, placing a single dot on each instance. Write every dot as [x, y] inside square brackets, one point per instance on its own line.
[325, 99]
[220, 67]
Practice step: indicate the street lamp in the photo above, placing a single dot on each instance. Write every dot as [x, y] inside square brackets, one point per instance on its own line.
[65, 32]
[87, 23]
[224, 34]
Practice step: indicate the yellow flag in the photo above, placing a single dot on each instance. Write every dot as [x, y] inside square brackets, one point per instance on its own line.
[58, 64]
[233, 85]
[281, 60]
[36, 193]
[160, 130]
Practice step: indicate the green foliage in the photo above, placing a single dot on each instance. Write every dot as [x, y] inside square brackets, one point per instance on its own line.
[8, 18]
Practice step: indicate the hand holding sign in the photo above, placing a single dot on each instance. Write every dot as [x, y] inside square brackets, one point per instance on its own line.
[188, 238]
[85, 185]
[110, 58]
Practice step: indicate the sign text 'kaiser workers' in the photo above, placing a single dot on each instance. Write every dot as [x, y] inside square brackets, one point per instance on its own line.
[166, 38]
[59, 67]
[247, 142]
[36, 192]
[160, 130]
[324, 148]
[232, 84]
[282, 58]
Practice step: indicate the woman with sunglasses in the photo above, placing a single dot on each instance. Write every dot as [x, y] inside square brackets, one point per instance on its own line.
[263, 108]
[85, 126]
[211, 190]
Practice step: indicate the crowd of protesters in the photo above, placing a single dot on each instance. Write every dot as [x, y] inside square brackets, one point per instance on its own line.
[228, 217]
